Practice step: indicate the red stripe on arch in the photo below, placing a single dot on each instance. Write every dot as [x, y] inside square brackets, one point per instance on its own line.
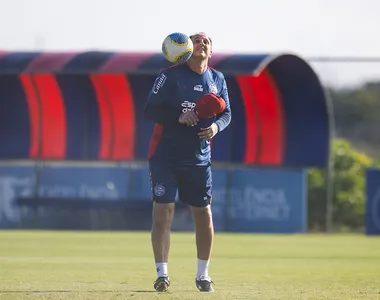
[34, 117]
[53, 117]
[124, 62]
[3, 54]
[268, 104]
[121, 102]
[105, 118]
[251, 145]
[49, 62]
[280, 117]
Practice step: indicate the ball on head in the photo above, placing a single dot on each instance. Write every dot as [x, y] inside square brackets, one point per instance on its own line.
[177, 47]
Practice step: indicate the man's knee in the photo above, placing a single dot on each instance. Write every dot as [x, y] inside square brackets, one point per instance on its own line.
[163, 214]
[202, 214]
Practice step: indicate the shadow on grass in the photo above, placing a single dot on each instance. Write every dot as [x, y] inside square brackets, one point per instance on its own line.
[69, 291]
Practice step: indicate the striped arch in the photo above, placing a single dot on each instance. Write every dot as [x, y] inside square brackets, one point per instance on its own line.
[89, 106]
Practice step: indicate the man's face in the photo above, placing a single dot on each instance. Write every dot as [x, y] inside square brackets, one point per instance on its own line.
[202, 46]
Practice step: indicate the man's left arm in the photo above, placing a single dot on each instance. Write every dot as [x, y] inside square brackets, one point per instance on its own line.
[224, 118]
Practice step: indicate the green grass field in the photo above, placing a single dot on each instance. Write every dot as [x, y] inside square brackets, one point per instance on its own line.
[119, 265]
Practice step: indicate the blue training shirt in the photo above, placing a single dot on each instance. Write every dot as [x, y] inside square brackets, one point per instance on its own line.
[176, 90]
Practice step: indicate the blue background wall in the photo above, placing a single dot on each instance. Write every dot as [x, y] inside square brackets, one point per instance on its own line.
[372, 201]
[245, 200]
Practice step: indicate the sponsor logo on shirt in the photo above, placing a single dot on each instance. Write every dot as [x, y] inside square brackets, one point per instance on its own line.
[187, 106]
[159, 83]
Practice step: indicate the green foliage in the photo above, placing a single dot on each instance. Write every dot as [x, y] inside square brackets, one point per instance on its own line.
[348, 188]
[356, 114]
[357, 124]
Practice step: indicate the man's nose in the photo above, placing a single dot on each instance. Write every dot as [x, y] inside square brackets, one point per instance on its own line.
[201, 42]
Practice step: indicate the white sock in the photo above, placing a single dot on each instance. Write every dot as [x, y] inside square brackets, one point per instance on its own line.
[202, 268]
[162, 269]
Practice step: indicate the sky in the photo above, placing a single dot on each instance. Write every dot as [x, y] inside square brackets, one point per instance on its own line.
[308, 28]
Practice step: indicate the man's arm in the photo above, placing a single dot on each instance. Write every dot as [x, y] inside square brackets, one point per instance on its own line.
[224, 119]
[157, 108]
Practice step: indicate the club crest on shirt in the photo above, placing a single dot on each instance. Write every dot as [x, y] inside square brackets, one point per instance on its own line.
[213, 88]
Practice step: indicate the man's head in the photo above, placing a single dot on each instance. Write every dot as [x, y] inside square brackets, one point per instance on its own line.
[202, 45]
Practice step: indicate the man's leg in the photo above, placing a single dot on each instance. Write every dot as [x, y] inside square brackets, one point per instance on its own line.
[162, 219]
[195, 189]
[164, 189]
[204, 231]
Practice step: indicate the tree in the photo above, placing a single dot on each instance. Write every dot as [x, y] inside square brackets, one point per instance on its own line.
[349, 188]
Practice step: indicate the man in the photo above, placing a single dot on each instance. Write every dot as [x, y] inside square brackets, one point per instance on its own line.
[179, 155]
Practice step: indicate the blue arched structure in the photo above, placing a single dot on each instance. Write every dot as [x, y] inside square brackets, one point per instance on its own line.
[89, 106]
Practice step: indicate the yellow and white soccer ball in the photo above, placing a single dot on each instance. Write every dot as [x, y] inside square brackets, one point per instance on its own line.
[177, 47]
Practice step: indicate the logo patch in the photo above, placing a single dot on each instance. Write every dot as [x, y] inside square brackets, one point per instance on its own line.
[213, 88]
[198, 88]
[159, 190]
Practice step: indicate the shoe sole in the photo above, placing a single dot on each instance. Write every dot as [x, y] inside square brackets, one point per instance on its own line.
[204, 291]
[162, 287]
[211, 290]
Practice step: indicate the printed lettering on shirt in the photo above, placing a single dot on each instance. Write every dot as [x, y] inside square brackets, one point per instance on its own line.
[159, 83]
[187, 106]
[198, 88]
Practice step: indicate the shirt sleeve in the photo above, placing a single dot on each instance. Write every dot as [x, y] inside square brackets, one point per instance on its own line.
[224, 119]
[158, 107]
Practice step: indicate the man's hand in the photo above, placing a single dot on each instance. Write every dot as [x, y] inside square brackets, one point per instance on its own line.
[188, 118]
[209, 132]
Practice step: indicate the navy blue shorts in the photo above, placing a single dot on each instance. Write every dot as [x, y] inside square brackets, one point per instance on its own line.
[193, 183]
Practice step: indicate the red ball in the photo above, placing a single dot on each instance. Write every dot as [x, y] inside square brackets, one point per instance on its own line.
[209, 105]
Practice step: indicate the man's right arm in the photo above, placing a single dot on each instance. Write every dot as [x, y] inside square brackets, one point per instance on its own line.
[157, 108]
